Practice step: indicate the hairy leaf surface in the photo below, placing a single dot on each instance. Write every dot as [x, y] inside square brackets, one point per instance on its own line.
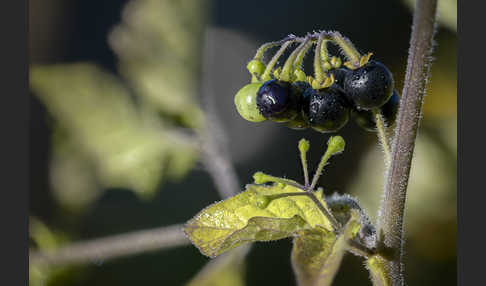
[379, 274]
[239, 219]
[317, 253]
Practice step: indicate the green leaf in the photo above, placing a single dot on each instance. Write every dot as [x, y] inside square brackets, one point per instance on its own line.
[241, 219]
[158, 44]
[317, 253]
[123, 145]
[378, 272]
[45, 238]
[72, 175]
[227, 269]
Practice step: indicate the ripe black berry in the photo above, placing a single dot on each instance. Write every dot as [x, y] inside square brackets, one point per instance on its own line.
[369, 86]
[298, 89]
[366, 120]
[276, 101]
[327, 111]
[339, 76]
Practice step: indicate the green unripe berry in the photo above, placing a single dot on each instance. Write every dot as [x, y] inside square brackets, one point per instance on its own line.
[245, 101]
[256, 67]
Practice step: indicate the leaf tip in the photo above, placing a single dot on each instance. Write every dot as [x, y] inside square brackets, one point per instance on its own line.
[260, 178]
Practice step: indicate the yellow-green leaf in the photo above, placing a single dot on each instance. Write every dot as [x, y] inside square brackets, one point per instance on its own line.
[95, 111]
[316, 256]
[45, 238]
[317, 253]
[158, 44]
[227, 269]
[378, 272]
[241, 219]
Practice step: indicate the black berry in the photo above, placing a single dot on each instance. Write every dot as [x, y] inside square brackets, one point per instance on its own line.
[369, 86]
[276, 101]
[339, 76]
[327, 110]
[298, 89]
[366, 120]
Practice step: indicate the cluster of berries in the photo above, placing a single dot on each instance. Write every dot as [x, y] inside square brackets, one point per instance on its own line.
[358, 88]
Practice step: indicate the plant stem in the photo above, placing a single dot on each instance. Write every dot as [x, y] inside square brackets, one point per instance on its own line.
[380, 126]
[219, 166]
[320, 167]
[215, 156]
[288, 68]
[318, 72]
[390, 217]
[103, 249]
[273, 61]
[347, 48]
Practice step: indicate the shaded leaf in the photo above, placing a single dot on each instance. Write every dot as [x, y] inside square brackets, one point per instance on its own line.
[378, 272]
[72, 175]
[158, 44]
[227, 269]
[239, 219]
[45, 238]
[317, 253]
[94, 109]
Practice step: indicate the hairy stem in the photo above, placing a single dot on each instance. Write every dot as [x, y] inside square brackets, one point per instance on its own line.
[273, 61]
[347, 48]
[318, 71]
[380, 126]
[319, 170]
[261, 51]
[287, 70]
[390, 218]
[215, 157]
[212, 145]
[103, 249]
[302, 53]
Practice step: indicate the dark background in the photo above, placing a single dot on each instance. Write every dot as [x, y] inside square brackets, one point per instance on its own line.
[72, 31]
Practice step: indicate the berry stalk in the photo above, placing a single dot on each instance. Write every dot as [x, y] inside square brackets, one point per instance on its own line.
[273, 61]
[302, 53]
[287, 69]
[347, 48]
[380, 126]
[318, 72]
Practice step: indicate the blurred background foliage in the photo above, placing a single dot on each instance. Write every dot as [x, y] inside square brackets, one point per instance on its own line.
[116, 92]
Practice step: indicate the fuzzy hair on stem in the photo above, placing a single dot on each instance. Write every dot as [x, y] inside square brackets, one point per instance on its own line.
[392, 208]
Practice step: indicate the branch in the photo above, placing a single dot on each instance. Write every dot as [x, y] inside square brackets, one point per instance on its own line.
[390, 218]
[215, 157]
[220, 168]
[103, 249]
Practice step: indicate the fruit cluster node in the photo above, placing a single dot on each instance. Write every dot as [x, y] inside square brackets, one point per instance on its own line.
[349, 85]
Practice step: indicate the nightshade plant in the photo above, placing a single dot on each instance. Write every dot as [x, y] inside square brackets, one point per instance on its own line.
[324, 228]
[272, 208]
